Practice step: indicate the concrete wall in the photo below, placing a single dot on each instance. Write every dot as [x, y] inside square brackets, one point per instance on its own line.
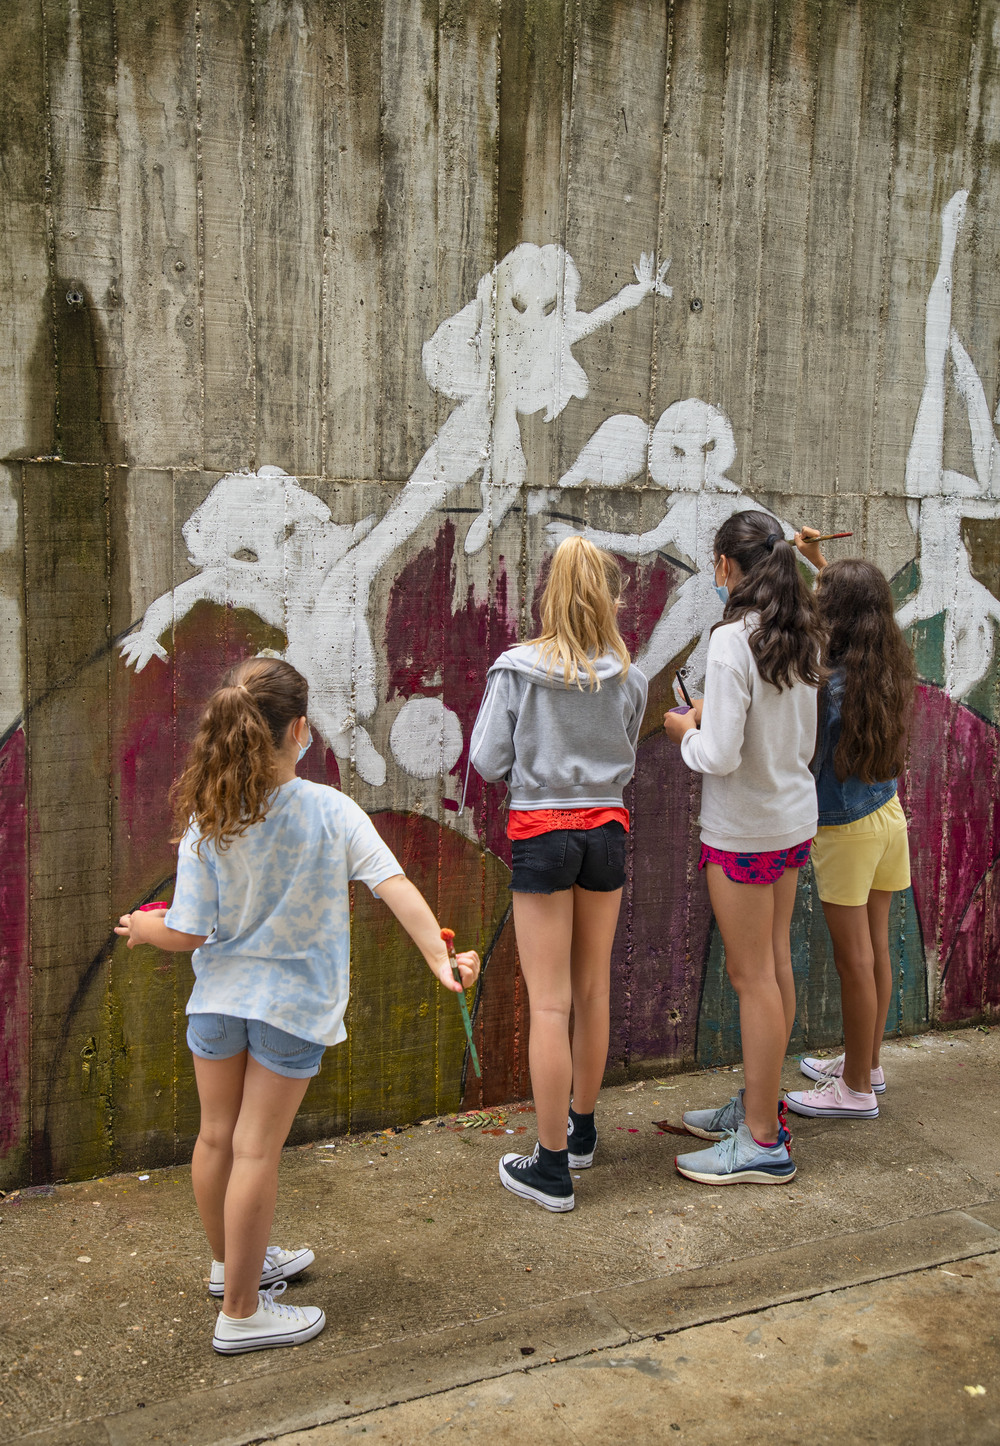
[321, 320]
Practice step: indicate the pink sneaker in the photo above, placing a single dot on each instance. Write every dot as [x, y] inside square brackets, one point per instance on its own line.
[834, 1101]
[823, 1069]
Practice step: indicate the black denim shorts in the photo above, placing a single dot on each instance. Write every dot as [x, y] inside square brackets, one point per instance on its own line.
[594, 858]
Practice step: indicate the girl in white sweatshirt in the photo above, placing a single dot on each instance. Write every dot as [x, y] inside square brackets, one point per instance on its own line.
[752, 737]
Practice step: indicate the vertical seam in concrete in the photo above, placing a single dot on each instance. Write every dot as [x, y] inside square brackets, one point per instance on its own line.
[761, 230]
[886, 263]
[661, 211]
[718, 189]
[252, 270]
[199, 164]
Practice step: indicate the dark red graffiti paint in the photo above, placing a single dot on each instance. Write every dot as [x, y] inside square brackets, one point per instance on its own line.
[954, 823]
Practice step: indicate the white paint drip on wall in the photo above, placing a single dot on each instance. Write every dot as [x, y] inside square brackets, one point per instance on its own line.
[938, 498]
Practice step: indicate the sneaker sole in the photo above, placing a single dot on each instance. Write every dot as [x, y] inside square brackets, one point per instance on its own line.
[267, 1343]
[702, 1134]
[821, 1075]
[559, 1204]
[740, 1177]
[831, 1114]
[269, 1277]
[581, 1162]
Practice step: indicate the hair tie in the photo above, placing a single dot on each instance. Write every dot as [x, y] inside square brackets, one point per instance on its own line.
[771, 539]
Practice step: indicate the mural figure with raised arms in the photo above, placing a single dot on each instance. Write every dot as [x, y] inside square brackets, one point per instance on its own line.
[689, 452]
[938, 498]
[509, 353]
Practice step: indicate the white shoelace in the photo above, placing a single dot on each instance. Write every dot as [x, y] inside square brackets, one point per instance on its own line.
[831, 1086]
[274, 1257]
[524, 1161]
[266, 1301]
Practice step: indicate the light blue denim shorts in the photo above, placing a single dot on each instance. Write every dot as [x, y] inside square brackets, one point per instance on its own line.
[220, 1036]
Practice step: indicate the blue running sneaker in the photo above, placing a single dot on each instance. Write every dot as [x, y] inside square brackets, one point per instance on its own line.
[737, 1159]
[713, 1124]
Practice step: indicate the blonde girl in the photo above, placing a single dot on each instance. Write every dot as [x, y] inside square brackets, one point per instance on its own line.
[560, 723]
[261, 897]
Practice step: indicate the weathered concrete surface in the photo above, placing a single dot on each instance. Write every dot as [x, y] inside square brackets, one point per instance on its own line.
[410, 254]
[433, 1279]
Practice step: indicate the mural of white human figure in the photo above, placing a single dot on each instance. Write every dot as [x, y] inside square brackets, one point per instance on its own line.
[260, 541]
[688, 453]
[938, 498]
[509, 353]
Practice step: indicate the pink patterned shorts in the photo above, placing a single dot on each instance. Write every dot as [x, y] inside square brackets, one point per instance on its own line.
[756, 868]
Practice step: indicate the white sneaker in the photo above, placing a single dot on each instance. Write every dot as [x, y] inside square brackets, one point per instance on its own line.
[270, 1325]
[822, 1069]
[278, 1265]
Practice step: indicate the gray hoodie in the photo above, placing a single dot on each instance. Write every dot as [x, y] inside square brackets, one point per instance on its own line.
[557, 745]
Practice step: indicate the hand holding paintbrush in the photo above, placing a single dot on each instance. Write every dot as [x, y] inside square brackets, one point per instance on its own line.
[448, 935]
[807, 541]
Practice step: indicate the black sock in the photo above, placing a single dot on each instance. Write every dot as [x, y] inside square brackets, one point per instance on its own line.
[553, 1162]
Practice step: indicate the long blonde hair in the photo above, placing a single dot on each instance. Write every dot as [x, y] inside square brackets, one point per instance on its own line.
[229, 779]
[578, 612]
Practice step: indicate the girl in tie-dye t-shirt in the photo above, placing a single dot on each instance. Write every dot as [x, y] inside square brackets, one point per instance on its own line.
[263, 869]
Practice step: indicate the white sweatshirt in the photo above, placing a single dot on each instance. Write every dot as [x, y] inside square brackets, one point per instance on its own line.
[754, 747]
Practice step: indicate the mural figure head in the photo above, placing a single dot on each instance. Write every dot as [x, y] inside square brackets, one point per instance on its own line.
[521, 321]
[691, 448]
[248, 517]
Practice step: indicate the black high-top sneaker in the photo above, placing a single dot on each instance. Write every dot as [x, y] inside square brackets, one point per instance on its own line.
[581, 1140]
[542, 1176]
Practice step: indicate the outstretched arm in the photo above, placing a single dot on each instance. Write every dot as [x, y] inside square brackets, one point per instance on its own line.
[213, 584]
[146, 926]
[647, 281]
[626, 544]
[414, 913]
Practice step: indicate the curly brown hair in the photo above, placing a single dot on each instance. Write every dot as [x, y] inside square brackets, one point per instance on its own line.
[787, 635]
[229, 778]
[864, 639]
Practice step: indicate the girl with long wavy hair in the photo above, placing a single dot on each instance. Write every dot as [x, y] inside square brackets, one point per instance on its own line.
[860, 854]
[751, 738]
[261, 897]
[560, 723]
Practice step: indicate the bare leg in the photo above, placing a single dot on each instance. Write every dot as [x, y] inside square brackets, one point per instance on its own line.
[878, 928]
[745, 915]
[785, 891]
[595, 918]
[220, 1092]
[855, 960]
[543, 924]
[270, 1102]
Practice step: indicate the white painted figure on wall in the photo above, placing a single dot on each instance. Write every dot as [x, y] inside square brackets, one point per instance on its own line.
[260, 541]
[689, 453]
[938, 498]
[263, 542]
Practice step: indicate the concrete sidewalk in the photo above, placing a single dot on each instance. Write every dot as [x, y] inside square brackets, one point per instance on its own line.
[455, 1309]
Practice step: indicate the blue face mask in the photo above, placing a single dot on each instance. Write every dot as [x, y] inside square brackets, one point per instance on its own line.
[303, 751]
[723, 592]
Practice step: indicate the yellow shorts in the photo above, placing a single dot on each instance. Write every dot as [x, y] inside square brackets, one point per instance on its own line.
[851, 859]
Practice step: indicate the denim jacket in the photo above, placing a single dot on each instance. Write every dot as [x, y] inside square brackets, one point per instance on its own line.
[847, 801]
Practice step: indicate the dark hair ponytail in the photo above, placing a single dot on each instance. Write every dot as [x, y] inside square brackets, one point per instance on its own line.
[228, 780]
[786, 638]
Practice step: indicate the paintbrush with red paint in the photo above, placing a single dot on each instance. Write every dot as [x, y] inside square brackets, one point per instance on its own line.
[448, 935]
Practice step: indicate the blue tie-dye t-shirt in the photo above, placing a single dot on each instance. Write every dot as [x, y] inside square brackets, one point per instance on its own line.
[276, 908]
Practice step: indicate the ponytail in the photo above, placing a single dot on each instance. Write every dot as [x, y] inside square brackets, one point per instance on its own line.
[787, 634]
[229, 779]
